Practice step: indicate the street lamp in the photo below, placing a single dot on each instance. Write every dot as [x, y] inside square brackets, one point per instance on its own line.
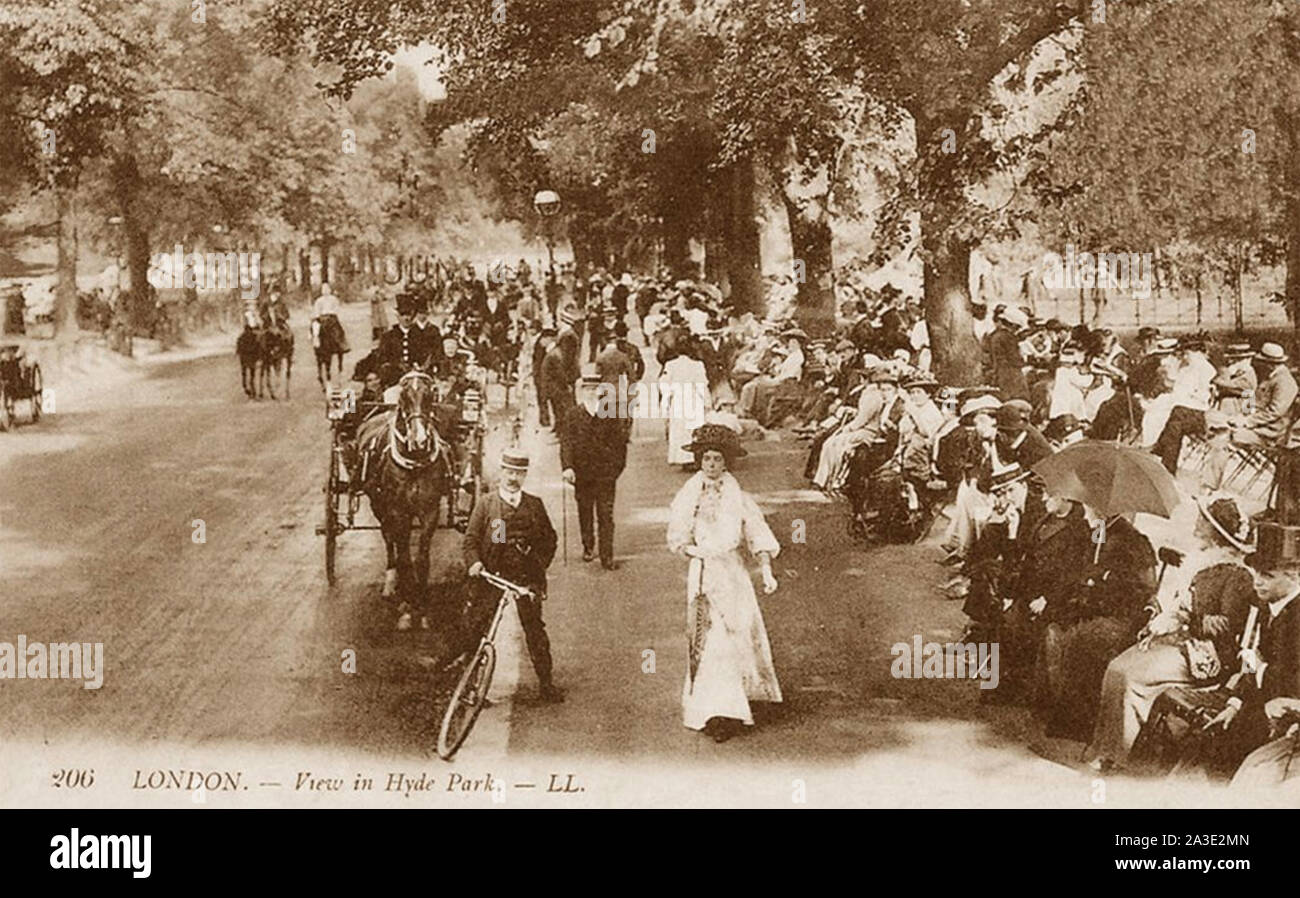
[547, 204]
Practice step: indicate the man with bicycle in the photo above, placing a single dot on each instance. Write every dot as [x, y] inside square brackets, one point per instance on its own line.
[510, 535]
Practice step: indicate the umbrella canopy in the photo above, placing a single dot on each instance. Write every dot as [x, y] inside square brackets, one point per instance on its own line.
[1111, 479]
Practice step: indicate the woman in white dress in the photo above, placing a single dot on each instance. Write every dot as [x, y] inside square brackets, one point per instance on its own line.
[730, 659]
[686, 381]
[1069, 386]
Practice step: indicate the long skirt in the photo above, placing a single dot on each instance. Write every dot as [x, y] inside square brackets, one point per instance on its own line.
[1085, 651]
[833, 466]
[728, 639]
[1129, 687]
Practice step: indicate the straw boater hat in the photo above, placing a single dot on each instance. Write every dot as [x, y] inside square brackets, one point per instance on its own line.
[1164, 346]
[715, 436]
[1237, 351]
[1227, 519]
[515, 459]
[1012, 473]
[1271, 353]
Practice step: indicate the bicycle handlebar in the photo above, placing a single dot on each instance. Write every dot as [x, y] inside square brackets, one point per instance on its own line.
[504, 584]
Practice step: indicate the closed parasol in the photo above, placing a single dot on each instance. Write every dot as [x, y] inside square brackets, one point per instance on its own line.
[1110, 479]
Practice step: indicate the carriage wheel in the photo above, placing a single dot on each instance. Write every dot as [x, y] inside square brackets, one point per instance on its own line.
[466, 701]
[6, 408]
[38, 390]
[331, 516]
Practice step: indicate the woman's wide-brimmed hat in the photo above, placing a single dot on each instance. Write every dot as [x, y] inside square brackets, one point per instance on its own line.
[718, 437]
[1228, 520]
[976, 404]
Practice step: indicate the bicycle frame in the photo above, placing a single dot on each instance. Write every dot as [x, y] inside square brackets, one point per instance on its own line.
[508, 591]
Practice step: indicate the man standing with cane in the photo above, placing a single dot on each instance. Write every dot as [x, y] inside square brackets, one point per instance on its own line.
[593, 452]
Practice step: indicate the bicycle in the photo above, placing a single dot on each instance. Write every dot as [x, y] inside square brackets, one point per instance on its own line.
[470, 694]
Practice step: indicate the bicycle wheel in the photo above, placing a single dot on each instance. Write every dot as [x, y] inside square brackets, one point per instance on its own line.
[466, 701]
[331, 516]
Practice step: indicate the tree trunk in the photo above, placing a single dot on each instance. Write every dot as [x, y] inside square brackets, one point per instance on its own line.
[956, 353]
[744, 258]
[1238, 303]
[810, 238]
[65, 291]
[326, 245]
[1293, 236]
[304, 270]
[128, 189]
[715, 269]
[677, 243]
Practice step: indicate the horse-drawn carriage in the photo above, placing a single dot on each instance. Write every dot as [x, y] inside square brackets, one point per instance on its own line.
[20, 380]
[407, 457]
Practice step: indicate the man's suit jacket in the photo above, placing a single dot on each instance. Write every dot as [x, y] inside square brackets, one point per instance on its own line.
[1273, 401]
[1029, 452]
[515, 543]
[399, 351]
[594, 447]
[1008, 366]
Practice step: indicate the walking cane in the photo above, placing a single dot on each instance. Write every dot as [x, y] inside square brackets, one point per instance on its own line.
[564, 517]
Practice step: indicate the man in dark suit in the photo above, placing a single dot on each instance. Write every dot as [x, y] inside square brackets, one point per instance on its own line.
[545, 340]
[1008, 365]
[1270, 657]
[430, 339]
[625, 346]
[559, 372]
[510, 535]
[404, 345]
[593, 452]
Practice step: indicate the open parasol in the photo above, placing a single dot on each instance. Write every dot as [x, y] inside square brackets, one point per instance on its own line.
[1110, 479]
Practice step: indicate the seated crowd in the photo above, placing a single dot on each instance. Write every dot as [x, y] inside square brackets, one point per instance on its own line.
[1096, 627]
[1124, 646]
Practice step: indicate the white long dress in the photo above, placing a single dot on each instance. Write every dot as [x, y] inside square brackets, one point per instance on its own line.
[734, 657]
[689, 385]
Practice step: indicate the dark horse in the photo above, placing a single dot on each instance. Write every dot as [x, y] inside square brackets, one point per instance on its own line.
[331, 346]
[249, 349]
[408, 474]
[276, 357]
